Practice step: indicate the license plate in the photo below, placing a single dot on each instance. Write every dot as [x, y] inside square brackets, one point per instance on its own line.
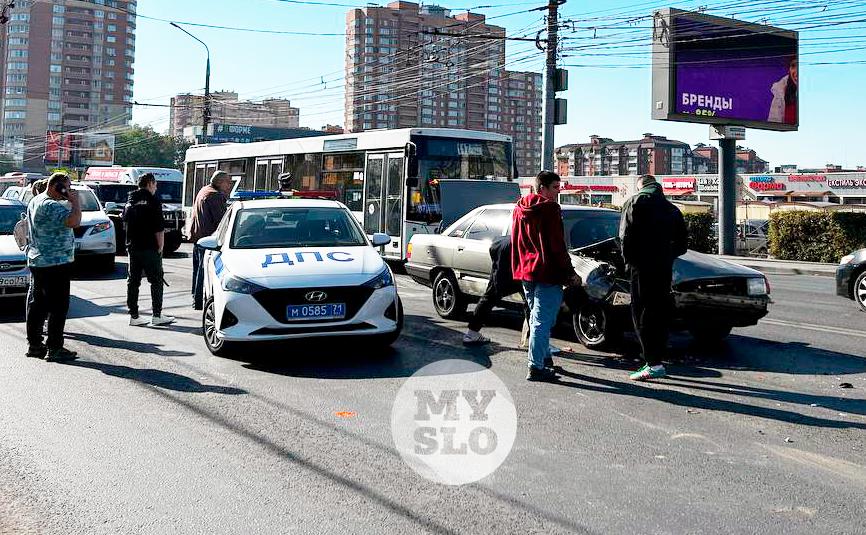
[327, 311]
[19, 280]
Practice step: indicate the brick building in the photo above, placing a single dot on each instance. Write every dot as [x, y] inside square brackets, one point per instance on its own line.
[401, 72]
[654, 155]
[67, 66]
[187, 110]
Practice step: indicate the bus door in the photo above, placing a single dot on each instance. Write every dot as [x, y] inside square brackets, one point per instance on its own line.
[268, 171]
[383, 198]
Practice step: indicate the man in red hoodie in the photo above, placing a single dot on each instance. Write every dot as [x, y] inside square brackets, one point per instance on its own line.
[539, 259]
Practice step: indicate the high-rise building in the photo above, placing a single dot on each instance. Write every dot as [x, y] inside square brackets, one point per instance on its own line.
[187, 110]
[417, 66]
[655, 155]
[67, 67]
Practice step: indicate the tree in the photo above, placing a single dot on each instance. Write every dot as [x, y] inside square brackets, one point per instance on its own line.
[7, 164]
[144, 147]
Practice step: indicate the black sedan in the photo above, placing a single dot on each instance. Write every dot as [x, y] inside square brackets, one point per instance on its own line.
[851, 277]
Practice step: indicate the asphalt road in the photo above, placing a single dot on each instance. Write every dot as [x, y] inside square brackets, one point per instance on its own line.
[148, 433]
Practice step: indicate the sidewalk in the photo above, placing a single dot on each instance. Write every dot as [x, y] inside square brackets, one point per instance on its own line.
[784, 267]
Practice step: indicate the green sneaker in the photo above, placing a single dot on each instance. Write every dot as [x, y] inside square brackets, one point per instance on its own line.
[648, 372]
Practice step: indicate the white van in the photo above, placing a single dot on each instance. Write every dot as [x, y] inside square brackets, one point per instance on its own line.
[113, 184]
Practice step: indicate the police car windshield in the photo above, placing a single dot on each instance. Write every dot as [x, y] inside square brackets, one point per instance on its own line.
[257, 228]
[9, 215]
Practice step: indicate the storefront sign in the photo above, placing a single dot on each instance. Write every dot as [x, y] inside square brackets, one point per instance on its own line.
[708, 184]
[807, 178]
[847, 183]
[766, 183]
[679, 183]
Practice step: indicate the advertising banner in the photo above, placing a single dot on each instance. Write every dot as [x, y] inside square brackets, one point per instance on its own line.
[723, 71]
[95, 149]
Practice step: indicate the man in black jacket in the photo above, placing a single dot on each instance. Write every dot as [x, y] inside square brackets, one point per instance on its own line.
[653, 234]
[144, 241]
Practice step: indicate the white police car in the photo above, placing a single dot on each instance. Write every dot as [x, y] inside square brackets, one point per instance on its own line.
[280, 269]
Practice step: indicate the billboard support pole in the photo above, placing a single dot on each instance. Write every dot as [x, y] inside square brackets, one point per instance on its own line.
[727, 195]
[547, 143]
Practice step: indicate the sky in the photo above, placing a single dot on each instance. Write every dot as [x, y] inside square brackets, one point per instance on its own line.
[606, 53]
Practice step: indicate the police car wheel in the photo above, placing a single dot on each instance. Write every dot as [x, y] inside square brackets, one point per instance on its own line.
[215, 344]
[448, 301]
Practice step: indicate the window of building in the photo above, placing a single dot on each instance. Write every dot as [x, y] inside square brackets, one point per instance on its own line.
[57, 21]
[15, 103]
[17, 66]
[112, 15]
[55, 68]
[110, 52]
[58, 8]
[18, 41]
[13, 78]
[53, 104]
[98, 13]
[22, 17]
[111, 39]
[16, 53]
[108, 96]
[15, 115]
[54, 81]
[53, 116]
[112, 27]
[18, 28]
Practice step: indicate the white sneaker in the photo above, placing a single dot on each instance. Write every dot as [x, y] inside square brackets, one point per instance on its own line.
[156, 321]
[475, 338]
[137, 322]
[553, 350]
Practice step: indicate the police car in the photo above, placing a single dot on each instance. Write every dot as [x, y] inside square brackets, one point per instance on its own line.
[279, 269]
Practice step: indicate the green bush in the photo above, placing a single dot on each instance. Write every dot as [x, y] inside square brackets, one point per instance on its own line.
[816, 236]
[701, 238]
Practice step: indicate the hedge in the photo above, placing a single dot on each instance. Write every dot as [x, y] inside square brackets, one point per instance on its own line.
[701, 238]
[816, 236]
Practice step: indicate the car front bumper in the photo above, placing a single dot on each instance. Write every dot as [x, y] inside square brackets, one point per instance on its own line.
[844, 274]
[98, 244]
[378, 315]
[14, 283]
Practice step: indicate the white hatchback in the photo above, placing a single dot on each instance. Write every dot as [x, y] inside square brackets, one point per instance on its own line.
[280, 269]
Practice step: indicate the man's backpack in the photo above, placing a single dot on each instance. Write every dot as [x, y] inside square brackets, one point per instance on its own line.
[21, 232]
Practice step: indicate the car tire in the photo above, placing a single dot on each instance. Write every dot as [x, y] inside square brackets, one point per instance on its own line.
[385, 340]
[215, 345]
[859, 291]
[594, 327]
[710, 334]
[448, 301]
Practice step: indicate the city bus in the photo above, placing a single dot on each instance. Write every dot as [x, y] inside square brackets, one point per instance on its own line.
[388, 178]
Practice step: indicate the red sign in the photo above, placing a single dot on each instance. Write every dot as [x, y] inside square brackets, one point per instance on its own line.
[767, 186]
[104, 174]
[53, 147]
[807, 178]
[679, 183]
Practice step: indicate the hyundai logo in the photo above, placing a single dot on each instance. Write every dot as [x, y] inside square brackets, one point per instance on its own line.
[316, 296]
[5, 267]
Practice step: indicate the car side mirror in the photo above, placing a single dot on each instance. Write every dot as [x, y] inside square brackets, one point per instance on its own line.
[379, 239]
[209, 242]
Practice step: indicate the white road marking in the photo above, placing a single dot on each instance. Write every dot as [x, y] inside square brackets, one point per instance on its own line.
[813, 327]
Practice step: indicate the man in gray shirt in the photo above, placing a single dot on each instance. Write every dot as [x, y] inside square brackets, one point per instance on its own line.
[208, 210]
[50, 255]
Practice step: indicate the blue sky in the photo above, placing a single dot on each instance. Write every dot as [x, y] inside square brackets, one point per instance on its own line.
[609, 95]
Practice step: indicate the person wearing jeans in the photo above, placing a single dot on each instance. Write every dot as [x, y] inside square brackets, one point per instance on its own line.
[544, 301]
[50, 254]
[540, 261]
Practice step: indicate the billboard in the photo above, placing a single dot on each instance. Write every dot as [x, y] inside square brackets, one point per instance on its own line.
[723, 71]
[239, 133]
[78, 148]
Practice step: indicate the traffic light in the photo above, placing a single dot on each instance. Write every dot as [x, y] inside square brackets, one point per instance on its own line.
[561, 105]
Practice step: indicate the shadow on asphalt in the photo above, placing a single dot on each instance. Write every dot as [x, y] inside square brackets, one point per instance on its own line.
[129, 345]
[586, 383]
[355, 358]
[159, 378]
[86, 270]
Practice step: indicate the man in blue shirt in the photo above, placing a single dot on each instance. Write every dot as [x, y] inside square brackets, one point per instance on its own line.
[50, 255]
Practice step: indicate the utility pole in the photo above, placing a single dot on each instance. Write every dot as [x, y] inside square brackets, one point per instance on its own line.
[552, 84]
[205, 116]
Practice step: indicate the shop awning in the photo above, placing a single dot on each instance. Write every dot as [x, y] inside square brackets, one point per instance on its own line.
[809, 193]
[778, 193]
[678, 192]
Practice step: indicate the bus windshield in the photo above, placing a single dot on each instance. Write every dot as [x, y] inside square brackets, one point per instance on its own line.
[440, 158]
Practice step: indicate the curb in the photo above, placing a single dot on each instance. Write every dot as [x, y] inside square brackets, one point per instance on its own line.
[783, 267]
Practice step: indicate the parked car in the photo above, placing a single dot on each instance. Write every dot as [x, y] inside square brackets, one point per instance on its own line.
[711, 295]
[94, 237]
[13, 193]
[113, 184]
[14, 274]
[851, 277]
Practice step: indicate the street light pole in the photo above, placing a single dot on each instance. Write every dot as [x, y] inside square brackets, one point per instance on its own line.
[205, 118]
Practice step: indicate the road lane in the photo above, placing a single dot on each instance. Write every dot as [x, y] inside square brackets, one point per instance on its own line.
[148, 432]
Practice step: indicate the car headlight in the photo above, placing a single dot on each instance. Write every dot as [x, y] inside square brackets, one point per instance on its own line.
[846, 259]
[756, 286]
[239, 285]
[383, 279]
[100, 227]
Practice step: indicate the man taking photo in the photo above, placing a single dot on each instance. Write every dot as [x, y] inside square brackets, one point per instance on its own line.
[145, 237]
[52, 216]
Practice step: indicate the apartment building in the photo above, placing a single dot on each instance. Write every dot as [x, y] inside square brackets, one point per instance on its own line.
[67, 67]
[656, 155]
[417, 66]
[187, 110]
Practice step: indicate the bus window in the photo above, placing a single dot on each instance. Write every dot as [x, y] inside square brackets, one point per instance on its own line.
[344, 175]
